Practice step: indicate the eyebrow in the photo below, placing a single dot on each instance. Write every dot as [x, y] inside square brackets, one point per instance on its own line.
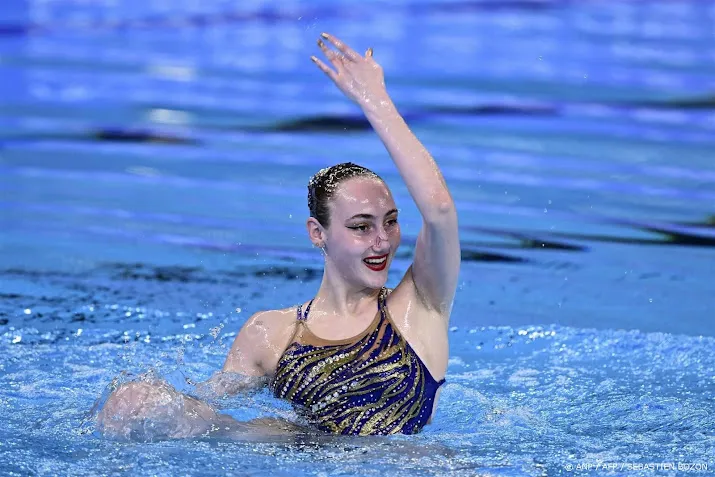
[370, 216]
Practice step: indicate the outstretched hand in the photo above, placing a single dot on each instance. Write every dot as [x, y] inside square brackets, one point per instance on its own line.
[359, 77]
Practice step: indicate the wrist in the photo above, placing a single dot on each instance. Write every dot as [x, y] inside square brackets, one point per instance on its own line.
[379, 105]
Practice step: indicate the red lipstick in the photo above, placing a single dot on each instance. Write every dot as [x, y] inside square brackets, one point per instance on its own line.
[376, 263]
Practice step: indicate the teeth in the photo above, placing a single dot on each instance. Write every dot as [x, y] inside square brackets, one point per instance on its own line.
[375, 261]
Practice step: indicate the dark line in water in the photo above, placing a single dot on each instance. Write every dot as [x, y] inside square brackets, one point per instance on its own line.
[183, 274]
[139, 136]
[708, 223]
[168, 273]
[496, 109]
[530, 242]
[10, 296]
[317, 124]
[680, 238]
[478, 256]
[706, 102]
[320, 124]
[200, 243]
[329, 123]
[113, 135]
[668, 239]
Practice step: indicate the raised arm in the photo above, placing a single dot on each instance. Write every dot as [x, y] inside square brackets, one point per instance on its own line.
[435, 268]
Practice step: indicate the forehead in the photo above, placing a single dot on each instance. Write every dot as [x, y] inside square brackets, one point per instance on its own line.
[358, 195]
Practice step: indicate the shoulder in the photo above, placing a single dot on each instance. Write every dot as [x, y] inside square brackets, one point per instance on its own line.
[265, 335]
[265, 327]
[271, 320]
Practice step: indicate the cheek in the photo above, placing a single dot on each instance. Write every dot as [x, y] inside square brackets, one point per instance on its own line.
[395, 234]
[351, 245]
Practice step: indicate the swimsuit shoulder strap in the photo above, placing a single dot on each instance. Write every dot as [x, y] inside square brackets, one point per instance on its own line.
[382, 303]
[381, 297]
[302, 317]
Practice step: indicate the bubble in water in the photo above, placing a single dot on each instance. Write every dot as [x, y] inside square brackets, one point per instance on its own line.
[216, 330]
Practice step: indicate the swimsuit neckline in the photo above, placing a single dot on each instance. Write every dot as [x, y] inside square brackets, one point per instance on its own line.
[370, 328]
[352, 339]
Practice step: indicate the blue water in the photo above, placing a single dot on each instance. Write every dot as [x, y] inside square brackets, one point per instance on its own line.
[153, 164]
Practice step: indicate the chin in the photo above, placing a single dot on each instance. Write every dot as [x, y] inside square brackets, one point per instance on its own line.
[378, 279]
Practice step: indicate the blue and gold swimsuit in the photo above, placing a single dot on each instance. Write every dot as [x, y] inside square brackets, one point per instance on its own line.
[373, 383]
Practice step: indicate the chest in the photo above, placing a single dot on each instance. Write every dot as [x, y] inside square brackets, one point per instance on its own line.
[374, 386]
[309, 373]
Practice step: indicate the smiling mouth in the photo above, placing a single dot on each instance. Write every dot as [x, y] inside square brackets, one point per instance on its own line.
[376, 263]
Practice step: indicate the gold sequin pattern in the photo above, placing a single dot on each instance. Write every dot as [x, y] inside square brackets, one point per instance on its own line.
[376, 385]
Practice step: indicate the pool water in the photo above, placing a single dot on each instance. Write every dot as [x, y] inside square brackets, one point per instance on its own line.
[153, 164]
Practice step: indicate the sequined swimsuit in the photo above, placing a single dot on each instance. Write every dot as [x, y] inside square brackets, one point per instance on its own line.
[373, 383]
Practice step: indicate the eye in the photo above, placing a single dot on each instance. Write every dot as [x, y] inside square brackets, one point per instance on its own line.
[360, 227]
[392, 222]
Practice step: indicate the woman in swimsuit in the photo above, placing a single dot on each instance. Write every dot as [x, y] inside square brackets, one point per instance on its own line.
[357, 358]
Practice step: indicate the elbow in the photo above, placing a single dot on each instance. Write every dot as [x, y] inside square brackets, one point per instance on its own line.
[446, 207]
[442, 202]
[441, 211]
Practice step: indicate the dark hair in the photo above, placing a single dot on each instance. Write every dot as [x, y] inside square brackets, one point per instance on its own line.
[322, 187]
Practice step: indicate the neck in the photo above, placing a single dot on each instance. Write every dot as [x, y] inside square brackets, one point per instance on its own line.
[338, 298]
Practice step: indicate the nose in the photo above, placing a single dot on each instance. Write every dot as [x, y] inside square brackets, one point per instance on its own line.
[381, 239]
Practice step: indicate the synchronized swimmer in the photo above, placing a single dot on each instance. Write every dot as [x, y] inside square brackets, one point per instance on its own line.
[357, 358]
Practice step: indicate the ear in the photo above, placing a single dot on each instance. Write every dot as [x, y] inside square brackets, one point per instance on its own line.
[316, 232]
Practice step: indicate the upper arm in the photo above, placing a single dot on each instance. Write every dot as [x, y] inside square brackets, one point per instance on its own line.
[259, 344]
[435, 268]
[248, 349]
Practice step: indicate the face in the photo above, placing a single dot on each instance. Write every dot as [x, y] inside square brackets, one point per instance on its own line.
[364, 234]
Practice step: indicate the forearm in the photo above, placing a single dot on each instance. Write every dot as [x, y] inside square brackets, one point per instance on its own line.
[142, 410]
[225, 384]
[418, 169]
[145, 410]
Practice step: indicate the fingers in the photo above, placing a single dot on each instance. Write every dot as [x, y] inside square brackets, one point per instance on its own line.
[342, 47]
[331, 74]
[330, 54]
